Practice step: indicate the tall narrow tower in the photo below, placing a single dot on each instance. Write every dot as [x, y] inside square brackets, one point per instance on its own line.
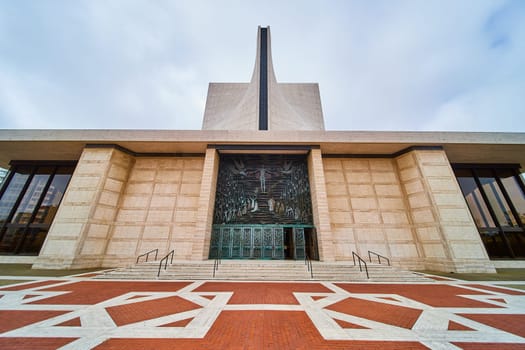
[263, 103]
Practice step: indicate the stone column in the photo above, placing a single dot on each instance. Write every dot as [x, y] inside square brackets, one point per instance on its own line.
[320, 205]
[201, 241]
[445, 230]
[78, 236]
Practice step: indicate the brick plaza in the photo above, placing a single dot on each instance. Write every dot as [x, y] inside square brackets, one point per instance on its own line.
[81, 312]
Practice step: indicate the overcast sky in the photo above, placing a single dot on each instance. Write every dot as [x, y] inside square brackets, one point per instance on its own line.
[381, 65]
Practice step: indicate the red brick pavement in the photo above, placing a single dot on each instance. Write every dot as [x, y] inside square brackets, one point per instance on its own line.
[93, 292]
[430, 294]
[394, 315]
[13, 319]
[262, 293]
[350, 325]
[146, 310]
[181, 323]
[496, 289]
[75, 322]
[30, 285]
[498, 300]
[13, 343]
[509, 323]
[258, 330]
[454, 326]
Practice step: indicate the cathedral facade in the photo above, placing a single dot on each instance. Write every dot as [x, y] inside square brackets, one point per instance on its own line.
[263, 179]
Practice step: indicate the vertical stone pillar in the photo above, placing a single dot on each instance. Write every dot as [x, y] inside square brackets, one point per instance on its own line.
[320, 205]
[79, 234]
[445, 231]
[201, 241]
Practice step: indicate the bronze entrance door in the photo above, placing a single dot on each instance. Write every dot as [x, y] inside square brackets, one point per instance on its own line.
[247, 242]
[263, 242]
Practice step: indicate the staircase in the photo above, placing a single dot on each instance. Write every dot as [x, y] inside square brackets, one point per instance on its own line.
[266, 270]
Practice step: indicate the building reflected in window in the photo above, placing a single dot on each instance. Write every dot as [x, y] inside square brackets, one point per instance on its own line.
[496, 199]
[29, 200]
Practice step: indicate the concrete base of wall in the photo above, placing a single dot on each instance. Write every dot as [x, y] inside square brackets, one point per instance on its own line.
[55, 264]
[10, 259]
[509, 264]
[84, 262]
[461, 266]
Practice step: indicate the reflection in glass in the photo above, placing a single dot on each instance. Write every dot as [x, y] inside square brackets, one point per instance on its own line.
[495, 196]
[476, 204]
[52, 199]
[33, 241]
[510, 182]
[10, 239]
[496, 200]
[26, 207]
[11, 193]
[32, 192]
[495, 244]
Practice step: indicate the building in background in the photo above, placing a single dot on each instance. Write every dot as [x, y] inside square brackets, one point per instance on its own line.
[263, 180]
[3, 174]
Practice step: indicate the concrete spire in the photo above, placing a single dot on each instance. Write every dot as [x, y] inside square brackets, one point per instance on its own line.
[265, 31]
[263, 103]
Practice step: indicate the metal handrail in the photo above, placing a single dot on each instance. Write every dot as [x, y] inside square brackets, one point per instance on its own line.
[379, 256]
[359, 259]
[217, 261]
[147, 254]
[308, 263]
[166, 263]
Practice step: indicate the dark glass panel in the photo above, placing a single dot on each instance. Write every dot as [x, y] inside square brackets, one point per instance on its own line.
[517, 242]
[11, 238]
[31, 197]
[495, 197]
[33, 241]
[52, 199]
[12, 192]
[472, 194]
[495, 244]
[40, 198]
[510, 182]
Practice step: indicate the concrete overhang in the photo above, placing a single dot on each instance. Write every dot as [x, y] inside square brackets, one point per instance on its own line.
[461, 147]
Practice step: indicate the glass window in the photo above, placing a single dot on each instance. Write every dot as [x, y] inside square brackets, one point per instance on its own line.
[32, 241]
[28, 205]
[11, 193]
[510, 182]
[472, 194]
[25, 209]
[53, 196]
[10, 239]
[495, 197]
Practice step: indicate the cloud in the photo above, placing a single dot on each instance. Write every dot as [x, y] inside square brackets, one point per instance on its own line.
[492, 107]
[381, 65]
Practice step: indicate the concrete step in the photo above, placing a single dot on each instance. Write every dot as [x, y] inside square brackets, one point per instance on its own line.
[256, 270]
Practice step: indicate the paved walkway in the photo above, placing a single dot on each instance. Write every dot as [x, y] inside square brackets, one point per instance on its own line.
[83, 313]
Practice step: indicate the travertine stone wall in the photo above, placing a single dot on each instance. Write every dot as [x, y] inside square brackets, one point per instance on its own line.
[409, 208]
[80, 231]
[446, 233]
[320, 213]
[368, 210]
[158, 209]
[118, 206]
[201, 242]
